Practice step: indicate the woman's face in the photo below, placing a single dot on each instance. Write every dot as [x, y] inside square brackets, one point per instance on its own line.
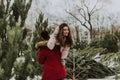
[65, 31]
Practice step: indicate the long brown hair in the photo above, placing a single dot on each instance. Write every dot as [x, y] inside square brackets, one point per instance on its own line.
[61, 39]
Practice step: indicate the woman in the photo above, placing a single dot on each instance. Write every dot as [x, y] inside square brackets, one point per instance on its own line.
[62, 37]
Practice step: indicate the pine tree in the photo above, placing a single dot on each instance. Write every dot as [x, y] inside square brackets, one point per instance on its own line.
[12, 39]
[81, 65]
[41, 25]
[110, 42]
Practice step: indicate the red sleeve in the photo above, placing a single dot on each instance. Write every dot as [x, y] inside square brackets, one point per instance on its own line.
[41, 56]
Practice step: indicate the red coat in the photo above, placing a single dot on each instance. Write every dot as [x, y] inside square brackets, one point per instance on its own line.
[53, 68]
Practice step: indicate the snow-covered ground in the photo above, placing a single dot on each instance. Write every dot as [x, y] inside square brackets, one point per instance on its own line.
[28, 78]
[107, 78]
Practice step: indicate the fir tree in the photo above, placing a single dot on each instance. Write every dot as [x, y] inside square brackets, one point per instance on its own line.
[110, 42]
[12, 39]
[41, 25]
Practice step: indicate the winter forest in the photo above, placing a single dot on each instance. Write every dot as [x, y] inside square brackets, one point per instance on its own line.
[95, 29]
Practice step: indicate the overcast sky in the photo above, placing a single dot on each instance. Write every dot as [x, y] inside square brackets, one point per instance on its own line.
[54, 10]
[112, 6]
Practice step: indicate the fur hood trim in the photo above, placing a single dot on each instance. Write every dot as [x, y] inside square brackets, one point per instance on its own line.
[41, 43]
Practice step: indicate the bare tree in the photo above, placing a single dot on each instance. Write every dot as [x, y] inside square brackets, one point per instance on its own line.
[113, 19]
[100, 22]
[86, 13]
